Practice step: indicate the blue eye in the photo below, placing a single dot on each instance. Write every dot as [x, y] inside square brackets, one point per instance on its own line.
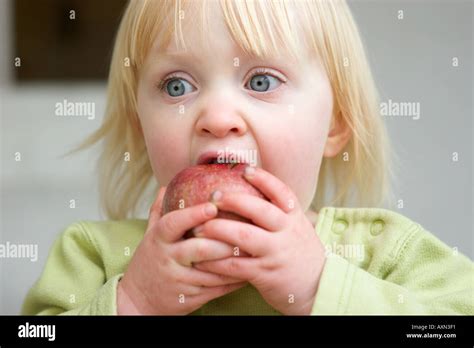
[263, 82]
[176, 87]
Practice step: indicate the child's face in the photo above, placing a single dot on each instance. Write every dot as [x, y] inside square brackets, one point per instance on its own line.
[215, 105]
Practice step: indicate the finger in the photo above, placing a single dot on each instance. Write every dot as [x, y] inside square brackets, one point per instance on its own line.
[201, 249]
[200, 278]
[155, 209]
[236, 267]
[247, 237]
[161, 195]
[272, 187]
[208, 294]
[175, 223]
[261, 212]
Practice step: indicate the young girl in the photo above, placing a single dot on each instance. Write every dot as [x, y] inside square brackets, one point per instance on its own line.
[289, 81]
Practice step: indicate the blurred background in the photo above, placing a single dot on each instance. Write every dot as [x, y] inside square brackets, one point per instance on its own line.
[422, 54]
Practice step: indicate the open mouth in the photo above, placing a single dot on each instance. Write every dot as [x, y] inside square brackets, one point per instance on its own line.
[211, 158]
[223, 161]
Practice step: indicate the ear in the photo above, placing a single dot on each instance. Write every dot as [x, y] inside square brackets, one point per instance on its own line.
[338, 136]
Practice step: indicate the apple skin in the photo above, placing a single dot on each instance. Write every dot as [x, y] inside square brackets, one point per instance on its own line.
[194, 185]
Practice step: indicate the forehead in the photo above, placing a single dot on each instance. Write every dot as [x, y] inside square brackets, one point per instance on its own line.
[209, 31]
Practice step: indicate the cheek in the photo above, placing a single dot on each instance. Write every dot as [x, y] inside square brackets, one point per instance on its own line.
[293, 152]
[165, 137]
[166, 152]
[165, 143]
[296, 159]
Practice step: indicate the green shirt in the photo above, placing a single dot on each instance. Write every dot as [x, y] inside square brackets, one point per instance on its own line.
[378, 262]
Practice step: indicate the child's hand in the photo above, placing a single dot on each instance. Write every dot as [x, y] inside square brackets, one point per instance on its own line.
[159, 279]
[288, 257]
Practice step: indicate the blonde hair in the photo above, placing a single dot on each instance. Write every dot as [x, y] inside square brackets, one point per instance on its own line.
[362, 170]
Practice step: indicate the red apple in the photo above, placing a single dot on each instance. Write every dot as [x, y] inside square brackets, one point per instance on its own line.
[194, 185]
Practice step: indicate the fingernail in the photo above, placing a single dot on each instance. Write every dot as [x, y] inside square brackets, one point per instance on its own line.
[210, 210]
[197, 229]
[216, 196]
[249, 171]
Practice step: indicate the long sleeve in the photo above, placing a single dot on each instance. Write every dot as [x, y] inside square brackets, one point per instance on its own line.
[411, 272]
[74, 281]
[404, 270]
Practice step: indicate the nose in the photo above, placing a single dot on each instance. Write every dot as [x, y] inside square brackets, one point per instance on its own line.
[221, 119]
